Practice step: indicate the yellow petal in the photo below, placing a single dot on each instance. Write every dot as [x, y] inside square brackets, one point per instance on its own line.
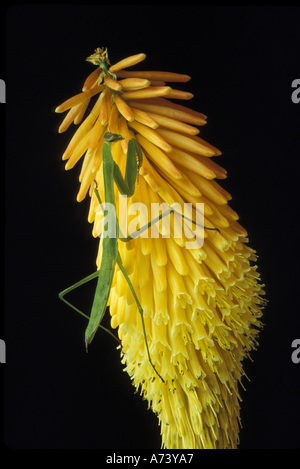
[183, 183]
[105, 107]
[125, 132]
[150, 92]
[169, 109]
[159, 157]
[152, 75]
[211, 189]
[178, 94]
[86, 160]
[143, 263]
[83, 129]
[220, 172]
[151, 135]
[128, 62]
[174, 124]
[96, 134]
[78, 118]
[97, 159]
[185, 143]
[86, 181]
[91, 79]
[177, 286]
[113, 123]
[176, 256]
[134, 83]
[188, 161]
[150, 176]
[144, 118]
[78, 99]
[73, 112]
[123, 108]
[111, 83]
[79, 150]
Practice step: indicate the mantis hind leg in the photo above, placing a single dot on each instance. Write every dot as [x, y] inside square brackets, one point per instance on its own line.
[77, 285]
[157, 219]
[120, 264]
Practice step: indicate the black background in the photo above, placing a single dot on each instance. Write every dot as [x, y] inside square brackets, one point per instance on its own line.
[242, 61]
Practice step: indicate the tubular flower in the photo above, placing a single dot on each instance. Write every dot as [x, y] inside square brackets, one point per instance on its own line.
[202, 304]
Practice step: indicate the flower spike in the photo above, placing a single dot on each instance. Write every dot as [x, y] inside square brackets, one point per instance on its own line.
[202, 303]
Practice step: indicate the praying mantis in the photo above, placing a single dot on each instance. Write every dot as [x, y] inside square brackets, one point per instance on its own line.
[110, 252]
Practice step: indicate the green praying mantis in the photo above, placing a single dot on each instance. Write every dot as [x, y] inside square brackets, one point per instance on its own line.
[110, 252]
